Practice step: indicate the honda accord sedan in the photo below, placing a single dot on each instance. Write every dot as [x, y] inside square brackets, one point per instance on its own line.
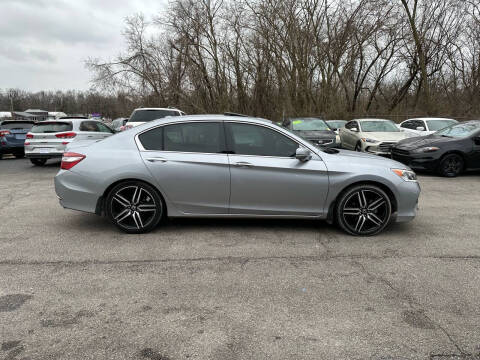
[226, 166]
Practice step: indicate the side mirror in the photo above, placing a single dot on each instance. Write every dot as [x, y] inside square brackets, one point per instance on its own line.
[303, 154]
[420, 128]
[354, 129]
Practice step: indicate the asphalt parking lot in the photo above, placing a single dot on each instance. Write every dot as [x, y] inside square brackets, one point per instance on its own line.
[73, 287]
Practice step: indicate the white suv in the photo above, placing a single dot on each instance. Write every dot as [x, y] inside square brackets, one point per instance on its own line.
[142, 115]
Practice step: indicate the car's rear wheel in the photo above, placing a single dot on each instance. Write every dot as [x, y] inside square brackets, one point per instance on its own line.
[38, 162]
[451, 165]
[364, 210]
[134, 207]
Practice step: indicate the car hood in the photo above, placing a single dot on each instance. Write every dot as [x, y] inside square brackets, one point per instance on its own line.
[422, 141]
[355, 157]
[387, 136]
[314, 134]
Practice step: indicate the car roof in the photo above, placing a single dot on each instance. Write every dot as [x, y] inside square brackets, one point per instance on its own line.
[372, 119]
[172, 109]
[70, 119]
[430, 118]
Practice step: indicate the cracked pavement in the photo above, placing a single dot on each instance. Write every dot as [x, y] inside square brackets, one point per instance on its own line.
[74, 287]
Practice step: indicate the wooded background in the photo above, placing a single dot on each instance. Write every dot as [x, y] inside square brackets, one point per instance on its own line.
[270, 58]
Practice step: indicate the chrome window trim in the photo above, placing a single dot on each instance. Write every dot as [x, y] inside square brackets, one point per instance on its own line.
[142, 149]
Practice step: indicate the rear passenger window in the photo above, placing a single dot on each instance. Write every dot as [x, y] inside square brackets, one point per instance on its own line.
[153, 139]
[90, 126]
[193, 137]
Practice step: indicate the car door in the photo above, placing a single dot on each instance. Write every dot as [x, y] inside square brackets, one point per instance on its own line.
[267, 179]
[189, 164]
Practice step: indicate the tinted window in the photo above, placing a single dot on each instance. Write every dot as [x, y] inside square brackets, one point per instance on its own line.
[149, 115]
[258, 140]
[408, 125]
[14, 125]
[51, 127]
[193, 137]
[351, 125]
[153, 139]
[89, 126]
[104, 128]
[379, 126]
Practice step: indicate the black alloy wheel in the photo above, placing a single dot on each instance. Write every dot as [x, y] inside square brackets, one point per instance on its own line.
[451, 165]
[38, 162]
[364, 210]
[134, 207]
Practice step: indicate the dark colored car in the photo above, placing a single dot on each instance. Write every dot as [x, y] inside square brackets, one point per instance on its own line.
[12, 137]
[312, 129]
[449, 151]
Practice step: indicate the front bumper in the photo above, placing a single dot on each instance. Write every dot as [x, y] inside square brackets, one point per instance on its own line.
[407, 201]
[420, 161]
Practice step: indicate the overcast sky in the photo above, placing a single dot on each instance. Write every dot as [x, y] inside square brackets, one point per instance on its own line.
[44, 43]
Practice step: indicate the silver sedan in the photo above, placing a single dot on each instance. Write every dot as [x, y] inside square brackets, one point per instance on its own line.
[225, 166]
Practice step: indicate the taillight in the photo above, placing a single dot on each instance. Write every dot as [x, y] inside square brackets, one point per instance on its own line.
[66, 135]
[29, 136]
[4, 132]
[26, 143]
[70, 159]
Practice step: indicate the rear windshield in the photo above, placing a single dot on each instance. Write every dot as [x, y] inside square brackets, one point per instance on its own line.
[149, 115]
[51, 127]
[16, 125]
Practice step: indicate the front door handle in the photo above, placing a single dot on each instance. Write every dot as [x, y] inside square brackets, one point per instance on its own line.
[156, 159]
[243, 164]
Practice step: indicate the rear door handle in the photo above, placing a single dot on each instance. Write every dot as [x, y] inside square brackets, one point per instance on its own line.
[156, 159]
[243, 164]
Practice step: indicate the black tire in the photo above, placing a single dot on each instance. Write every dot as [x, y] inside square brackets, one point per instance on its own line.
[124, 204]
[38, 162]
[451, 165]
[358, 147]
[19, 156]
[363, 210]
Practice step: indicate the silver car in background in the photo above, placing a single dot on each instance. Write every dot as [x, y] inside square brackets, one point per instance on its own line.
[48, 139]
[226, 166]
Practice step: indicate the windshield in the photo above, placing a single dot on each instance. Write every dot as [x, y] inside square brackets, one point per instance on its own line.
[16, 125]
[379, 126]
[459, 130]
[434, 125]
[51, 127]
[309, 124]
[337, 124]
[149, 115]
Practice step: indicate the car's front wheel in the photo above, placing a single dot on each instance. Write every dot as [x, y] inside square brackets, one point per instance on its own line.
[451, 165]
[364, 210]
[134, 207]
[38, 162]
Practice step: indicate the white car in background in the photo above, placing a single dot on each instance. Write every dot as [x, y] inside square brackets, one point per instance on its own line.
[335, 125]
[48, 139]
[425, 126]
[375, 136]
[142, 115]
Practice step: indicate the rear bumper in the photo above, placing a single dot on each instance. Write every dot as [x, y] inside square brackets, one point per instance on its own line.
[11, 149]
[73, 193]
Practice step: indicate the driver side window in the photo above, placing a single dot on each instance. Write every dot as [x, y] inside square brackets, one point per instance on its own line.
[248, 139]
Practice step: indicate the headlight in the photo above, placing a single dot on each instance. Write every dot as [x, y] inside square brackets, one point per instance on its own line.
[426, 149]
[373, 141]
[406, 175]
